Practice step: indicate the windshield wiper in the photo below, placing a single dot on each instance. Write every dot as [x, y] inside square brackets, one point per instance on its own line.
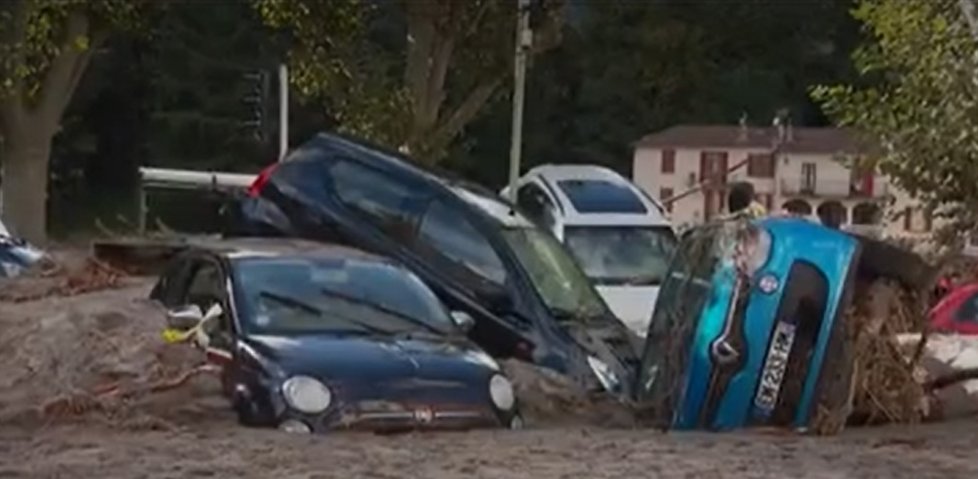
[298, 303]
[380, 308]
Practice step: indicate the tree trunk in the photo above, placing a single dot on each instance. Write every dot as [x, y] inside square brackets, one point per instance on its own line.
[25, 186]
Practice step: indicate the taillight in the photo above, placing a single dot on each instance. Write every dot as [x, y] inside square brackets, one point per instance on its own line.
[255, 189]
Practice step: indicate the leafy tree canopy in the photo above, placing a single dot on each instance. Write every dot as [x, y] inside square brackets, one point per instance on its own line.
[917, 100]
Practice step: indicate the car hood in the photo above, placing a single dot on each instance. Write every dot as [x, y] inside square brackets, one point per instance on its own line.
[633, 305]
[367, 361]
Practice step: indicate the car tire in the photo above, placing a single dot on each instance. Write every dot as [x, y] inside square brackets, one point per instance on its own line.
[247, 412]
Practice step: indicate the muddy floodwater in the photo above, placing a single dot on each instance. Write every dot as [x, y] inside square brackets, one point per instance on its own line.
[223, 450]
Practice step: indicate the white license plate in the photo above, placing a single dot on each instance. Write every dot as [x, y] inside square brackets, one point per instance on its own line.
[774, 366]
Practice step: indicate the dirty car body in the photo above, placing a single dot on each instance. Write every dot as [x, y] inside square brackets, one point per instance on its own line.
[318, 337]
[747, 328]
[529, 298]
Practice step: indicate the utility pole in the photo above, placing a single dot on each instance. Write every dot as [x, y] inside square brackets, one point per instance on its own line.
[524, 40]
[283, 111]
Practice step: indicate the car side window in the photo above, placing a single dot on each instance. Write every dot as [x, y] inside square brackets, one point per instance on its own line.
[446, 234]
[536, 204]
[388, 203]
[171, 288]
[968, 312]
[208, 286]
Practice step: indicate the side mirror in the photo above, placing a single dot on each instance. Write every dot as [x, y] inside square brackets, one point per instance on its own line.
[463, 320]
[184, 317]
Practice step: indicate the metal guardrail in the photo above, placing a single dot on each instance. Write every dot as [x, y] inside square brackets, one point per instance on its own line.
[163, 178]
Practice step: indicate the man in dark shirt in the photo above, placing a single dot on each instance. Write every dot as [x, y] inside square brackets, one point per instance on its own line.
[740, 201]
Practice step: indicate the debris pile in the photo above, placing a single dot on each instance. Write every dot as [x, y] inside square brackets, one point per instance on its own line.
[61, 278]
[886, 388]
[550, 399]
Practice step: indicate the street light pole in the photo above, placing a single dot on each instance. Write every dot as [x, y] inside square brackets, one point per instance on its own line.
[524, 39]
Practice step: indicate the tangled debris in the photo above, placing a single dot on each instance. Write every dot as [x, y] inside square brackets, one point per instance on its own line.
[886, 389]
[61, 279]
[550, 399]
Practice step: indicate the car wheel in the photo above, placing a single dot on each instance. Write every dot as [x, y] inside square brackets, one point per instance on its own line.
[247, 413]
[516, 423]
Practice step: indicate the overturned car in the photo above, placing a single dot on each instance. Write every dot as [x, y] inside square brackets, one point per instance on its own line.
[529, 298]
[748, 327]
[310, 337]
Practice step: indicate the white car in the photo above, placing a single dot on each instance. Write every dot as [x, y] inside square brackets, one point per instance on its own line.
[620, 236]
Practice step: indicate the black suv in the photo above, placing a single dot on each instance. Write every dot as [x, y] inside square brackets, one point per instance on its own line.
[530, 300]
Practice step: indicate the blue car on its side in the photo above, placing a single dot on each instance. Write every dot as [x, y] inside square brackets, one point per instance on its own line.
[747, 329]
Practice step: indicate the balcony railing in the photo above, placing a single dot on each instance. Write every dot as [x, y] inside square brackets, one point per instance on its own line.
[830, 188]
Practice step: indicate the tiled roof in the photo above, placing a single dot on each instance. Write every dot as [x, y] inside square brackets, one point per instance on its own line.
[801, 139]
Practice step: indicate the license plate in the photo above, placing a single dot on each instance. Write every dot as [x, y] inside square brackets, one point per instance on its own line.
[774, 366]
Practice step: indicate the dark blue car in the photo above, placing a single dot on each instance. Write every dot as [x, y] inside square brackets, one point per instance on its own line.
[527, 295]
[313, 337]
[747, 328]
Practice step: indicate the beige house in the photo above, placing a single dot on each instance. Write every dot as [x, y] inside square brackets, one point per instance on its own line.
[802, 170]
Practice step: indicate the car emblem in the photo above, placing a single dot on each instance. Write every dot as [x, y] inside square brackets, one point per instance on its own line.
[424, 415]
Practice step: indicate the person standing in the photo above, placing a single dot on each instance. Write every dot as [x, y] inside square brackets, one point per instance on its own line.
[741, 201]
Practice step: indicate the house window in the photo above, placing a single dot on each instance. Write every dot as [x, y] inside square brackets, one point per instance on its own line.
[760, 165]
[668, 161]
[665, 194]
[713, 165]
[808, 178]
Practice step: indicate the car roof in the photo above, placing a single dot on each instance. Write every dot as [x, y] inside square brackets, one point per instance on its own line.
[600, 209]
[482, 200]
[256, 247]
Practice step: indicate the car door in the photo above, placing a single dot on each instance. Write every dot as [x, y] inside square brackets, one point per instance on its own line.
[454, 249]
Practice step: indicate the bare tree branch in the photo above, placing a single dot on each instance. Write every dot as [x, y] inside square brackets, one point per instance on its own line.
[466, 111]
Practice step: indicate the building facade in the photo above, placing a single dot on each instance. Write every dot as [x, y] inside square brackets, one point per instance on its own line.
[814, 172]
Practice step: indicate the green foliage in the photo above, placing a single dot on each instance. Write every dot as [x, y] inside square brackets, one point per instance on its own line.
[333, 62]
[409, 74]
[38, 31]
[919, 103]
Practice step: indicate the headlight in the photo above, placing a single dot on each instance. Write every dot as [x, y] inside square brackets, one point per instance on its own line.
[754, 250]
[305, 394]
[604, 373]
[501, 392]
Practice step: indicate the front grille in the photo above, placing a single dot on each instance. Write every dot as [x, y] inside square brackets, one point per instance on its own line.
[385, 416]
[728, 352]
[803, 305]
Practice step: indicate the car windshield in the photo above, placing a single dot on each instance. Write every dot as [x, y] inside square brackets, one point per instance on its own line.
[314, 295]
[622, 255]
[555, 275]
[681, 300]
